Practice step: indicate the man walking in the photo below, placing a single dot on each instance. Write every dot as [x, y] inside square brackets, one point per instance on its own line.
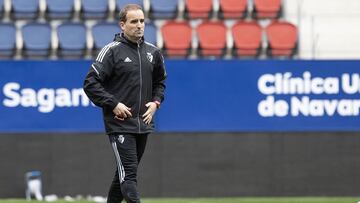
[127, 80]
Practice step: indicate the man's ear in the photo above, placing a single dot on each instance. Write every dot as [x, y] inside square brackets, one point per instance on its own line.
[121, 24]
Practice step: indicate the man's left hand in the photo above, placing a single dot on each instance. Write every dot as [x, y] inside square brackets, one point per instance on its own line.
[148, 115]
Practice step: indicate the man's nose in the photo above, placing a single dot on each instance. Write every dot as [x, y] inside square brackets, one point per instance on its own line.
[139, 24]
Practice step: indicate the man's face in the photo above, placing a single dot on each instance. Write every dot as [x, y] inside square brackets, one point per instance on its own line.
[133, 28]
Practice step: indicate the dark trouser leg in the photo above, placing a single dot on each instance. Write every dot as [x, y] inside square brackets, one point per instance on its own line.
[128, 149]
[115, 195]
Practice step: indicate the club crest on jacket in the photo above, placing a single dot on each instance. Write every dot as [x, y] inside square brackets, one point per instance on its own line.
[149, 56]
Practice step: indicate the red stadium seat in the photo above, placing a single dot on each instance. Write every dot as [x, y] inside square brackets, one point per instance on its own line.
[177, 38]
[198, 8]
[247, 38]
[212, 38]
[233, 8]
[267, 9]
[282, 39]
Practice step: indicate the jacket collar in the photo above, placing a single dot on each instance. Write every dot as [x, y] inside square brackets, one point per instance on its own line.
[120, 37]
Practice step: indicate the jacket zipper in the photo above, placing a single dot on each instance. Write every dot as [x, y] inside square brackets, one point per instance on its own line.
[138, 49]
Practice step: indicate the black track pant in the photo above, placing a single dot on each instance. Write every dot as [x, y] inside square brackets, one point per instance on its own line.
[128, 150]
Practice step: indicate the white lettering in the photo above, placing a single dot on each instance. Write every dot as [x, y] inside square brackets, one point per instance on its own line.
[270, 107]
[45, 99]
[284, 83]
[63, 98]
[13, 98]
[330, 106]
[28, 98]
[331, 85]
[77, 95]
[353, 86]
[345, 108]
[316, 85]
[298, 106]
[265, 84]
[317, 107]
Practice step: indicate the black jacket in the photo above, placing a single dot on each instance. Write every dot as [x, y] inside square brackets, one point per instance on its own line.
[131, 73]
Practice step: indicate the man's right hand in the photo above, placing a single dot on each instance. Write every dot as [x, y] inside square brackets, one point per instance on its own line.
[121, 111]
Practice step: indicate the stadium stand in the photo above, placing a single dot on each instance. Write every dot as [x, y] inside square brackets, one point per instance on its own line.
[233, 9]
[36, 40]
[177, 38]
[267, 9]
[94, 9]
[247, 38]
[72, 40]
[59, 9]
[212, 38]
[162, 29]
[163, 9]
[7, 40]
[103, 33]
[198, 9]
[282, 39]
[25, 9]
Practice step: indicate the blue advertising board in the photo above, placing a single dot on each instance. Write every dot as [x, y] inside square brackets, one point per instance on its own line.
[201, 95]
[270, 95]
[46, 96]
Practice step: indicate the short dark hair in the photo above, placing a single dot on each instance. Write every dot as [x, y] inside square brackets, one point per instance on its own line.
[125, 9]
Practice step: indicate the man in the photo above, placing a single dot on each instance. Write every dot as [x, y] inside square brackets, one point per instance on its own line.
[127, 80]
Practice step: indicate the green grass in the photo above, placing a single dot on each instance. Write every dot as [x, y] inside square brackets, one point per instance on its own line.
[224, 200]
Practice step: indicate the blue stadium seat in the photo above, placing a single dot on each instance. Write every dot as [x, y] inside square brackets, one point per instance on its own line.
[163, 9]
[150, 33]
[37, 39]
[7, 40]
[1, 8]
[72, 40]
[59, 9]
[103, 33]
[94, 9]
[25, 9]
[122, 3]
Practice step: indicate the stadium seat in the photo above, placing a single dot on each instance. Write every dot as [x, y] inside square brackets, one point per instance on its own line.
[37, 39]
[103, 33]
[94, 9]
[177, 38]
[72, 40]
[122, 3]
[163, 9]
[232, 9]
[59, 9]
[247, 38]
[198, 9]
[7, 40]
[212, 38]
[1, 8]
[25, 9]
[282, 39]
[267, 9]
[150, 33]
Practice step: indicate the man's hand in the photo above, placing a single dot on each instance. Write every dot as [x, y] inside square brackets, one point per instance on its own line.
[121, 111]
[148, 115]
